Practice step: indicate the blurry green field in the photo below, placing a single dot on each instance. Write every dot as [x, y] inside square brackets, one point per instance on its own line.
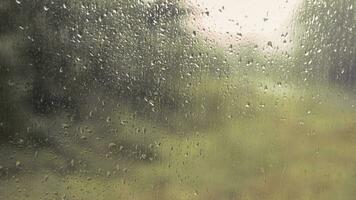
[280, 143]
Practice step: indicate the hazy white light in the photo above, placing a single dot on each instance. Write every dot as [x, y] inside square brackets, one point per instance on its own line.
[257, 20]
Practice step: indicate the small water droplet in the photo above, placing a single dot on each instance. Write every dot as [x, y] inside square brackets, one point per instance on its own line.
[196, 193]
[112, 145]
[18, 163]
[46, 178]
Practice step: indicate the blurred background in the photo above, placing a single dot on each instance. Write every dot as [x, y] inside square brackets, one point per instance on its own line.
[177, 99]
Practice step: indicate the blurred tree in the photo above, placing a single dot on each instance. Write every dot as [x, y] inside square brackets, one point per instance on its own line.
[61, 55]
[327, 38]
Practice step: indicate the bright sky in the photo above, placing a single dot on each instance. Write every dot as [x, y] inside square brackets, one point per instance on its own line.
[258, 21]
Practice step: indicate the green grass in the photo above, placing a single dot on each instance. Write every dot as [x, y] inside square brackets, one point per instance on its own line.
[280, 143]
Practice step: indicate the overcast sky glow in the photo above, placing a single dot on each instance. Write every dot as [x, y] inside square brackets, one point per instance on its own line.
[257, 20]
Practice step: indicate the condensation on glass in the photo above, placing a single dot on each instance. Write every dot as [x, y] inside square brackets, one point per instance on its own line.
[177, 99]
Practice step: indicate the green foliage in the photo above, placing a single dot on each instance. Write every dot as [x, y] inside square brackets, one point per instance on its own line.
[326, 41]
[79, 62]
[118, 99]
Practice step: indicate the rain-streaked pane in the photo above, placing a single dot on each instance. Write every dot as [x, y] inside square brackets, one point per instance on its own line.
[177, 99]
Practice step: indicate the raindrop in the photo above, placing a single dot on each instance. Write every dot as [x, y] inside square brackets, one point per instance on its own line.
[196, 193]
[112, 145]
[65, 126]
[18, 164]
[46, 178]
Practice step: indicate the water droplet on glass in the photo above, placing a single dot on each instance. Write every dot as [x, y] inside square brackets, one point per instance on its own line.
[112, 145]
[18, 164]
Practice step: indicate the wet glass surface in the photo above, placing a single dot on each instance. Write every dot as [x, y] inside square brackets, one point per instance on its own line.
[177, 99]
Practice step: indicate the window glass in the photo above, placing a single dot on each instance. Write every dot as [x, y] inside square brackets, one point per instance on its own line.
[177, 99]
